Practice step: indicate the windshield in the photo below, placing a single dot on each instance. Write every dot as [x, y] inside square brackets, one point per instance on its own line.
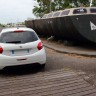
[18, 37]
[79, 11]
[93, 10]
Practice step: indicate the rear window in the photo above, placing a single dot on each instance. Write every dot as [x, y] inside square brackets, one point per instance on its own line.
[79, 11]
[93, 10]
[49, 15]
[44, 16]
[18, 37]
[56, 14]
[65, 12]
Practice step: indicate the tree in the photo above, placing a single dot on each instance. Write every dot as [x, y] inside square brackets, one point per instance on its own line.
[42, 9]
[44, 5]
[2, 25]
[94, 3]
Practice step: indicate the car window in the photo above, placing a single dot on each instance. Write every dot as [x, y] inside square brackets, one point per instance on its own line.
[18, 37]
[93, 10]
[65, 12]
[79, 11]
[49, 15]
[56, 14]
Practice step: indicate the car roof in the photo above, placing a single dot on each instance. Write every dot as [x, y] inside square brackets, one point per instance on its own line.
[15, 29]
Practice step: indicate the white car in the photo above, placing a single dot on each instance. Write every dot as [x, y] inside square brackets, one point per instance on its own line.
[20, 46]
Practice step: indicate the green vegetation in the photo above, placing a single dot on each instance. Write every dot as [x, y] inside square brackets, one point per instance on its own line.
[2, 25]
[44, 5]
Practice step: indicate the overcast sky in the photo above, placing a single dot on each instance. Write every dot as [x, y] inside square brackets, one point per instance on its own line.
[15, 10]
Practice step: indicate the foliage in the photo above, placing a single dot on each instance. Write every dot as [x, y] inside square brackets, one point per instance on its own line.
[94, 3]
[44, 8]
[2, 25]
[44, 5]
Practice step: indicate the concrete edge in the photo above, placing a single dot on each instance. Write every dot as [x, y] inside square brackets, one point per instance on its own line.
[69, 52]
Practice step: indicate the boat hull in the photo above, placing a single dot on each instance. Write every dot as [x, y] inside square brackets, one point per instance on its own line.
[78, 28]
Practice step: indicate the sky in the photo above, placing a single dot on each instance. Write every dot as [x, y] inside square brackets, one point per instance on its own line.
[12, 11]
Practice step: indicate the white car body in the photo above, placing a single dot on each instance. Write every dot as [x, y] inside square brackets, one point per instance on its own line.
[20, 54]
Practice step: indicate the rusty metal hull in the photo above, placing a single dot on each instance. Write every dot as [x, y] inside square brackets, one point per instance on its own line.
[78, 28]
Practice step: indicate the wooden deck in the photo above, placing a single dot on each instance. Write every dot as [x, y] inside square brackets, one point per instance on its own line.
[54, 83]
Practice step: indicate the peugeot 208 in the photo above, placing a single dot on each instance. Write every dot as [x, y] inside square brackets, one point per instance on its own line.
[20, 46]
